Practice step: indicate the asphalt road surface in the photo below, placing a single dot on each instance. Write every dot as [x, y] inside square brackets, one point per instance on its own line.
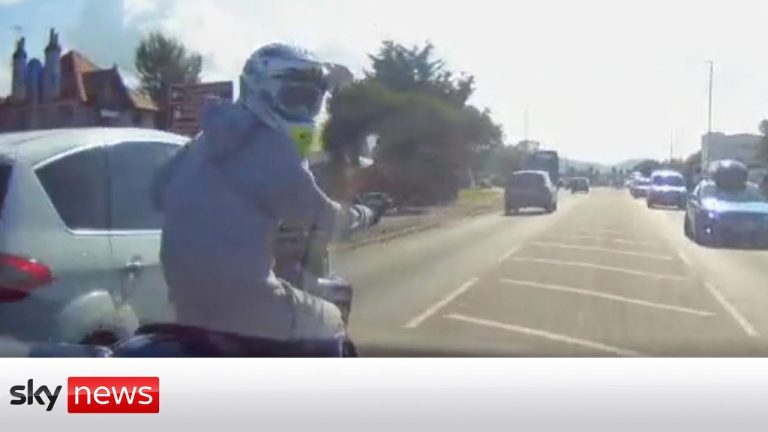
[603, 276]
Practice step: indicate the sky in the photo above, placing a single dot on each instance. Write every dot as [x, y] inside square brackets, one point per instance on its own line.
[601, 81]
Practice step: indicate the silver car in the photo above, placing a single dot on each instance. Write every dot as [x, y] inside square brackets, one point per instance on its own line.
[79, 236]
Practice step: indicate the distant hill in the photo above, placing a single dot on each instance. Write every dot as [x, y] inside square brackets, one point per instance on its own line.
[578, 165]
[628, 164]
[584, 165]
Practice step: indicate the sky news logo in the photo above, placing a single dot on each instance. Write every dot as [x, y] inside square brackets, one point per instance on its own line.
[94, 395]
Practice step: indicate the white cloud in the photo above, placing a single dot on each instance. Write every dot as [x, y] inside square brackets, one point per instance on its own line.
[9, 2]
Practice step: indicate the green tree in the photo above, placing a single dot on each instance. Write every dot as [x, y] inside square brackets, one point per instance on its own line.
[647, 166]
[162, 61]
[430, 140]
[415, 69]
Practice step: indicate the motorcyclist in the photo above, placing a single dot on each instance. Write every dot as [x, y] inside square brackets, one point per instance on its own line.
[226, 194]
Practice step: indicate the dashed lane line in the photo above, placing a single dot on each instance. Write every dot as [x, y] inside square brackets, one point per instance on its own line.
[434, 308]
[605, 250]
[600, 238]
[602, 267]
[505, 256]
[597, 346]
[607, 296]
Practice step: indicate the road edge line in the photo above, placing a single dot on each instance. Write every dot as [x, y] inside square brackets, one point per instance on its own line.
[745, 325]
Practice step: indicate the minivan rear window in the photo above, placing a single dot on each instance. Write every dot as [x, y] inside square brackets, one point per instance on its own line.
[526, 180]
[5, 178]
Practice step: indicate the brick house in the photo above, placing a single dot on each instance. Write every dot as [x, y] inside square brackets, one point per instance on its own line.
[69, 91]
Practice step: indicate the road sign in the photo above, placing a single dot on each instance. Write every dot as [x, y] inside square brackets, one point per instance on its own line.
[185, 102]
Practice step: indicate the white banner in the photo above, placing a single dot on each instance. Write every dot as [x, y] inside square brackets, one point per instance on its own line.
[384, 394]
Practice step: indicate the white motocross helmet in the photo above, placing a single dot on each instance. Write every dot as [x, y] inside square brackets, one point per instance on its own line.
[285, 87]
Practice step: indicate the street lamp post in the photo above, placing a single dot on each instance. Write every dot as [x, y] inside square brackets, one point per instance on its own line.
[709, 114]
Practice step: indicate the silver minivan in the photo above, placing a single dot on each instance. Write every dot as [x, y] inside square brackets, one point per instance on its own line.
[79, 236]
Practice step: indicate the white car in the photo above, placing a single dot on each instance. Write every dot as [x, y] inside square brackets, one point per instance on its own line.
[79, 236]
[668, 189]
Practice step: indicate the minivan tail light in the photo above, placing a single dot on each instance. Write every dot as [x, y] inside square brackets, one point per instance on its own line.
[20, 276]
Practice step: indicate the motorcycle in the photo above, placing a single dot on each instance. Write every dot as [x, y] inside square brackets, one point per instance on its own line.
[302, 258]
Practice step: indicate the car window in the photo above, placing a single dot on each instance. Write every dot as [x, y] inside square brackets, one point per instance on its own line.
[77, 186]
[526, 180]
[132, 167]
[668, 181]
[749, 194]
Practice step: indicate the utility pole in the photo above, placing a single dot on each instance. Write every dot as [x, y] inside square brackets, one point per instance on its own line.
[711, 79]
[671, 144]
[671, 135]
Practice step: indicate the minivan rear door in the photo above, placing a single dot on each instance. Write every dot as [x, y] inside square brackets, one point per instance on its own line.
[59, 217]
[135, 225]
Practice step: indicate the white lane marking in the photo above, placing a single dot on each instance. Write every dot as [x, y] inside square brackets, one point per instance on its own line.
[601, 238]
[745, 325]
[684, 258]
[508, 254]
[607, 296]
[428, 312]
[735, 314]
[602, 267]
[547, 335]
[601, 249]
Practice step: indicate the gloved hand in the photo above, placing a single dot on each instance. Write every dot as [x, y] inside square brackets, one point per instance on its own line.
[378, 211]
[377, 203]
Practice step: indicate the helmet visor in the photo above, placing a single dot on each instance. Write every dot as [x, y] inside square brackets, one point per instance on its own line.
[299, 100]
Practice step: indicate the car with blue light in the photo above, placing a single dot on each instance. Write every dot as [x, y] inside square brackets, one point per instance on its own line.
[719, 216]
[667, 188]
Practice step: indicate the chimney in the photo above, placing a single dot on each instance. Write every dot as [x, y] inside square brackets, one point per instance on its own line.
[19, 66]
[52, 68]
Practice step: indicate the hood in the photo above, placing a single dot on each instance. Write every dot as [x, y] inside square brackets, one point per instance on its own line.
[226, 127]
[716, 205]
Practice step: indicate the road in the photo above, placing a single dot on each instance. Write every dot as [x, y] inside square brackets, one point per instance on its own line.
[603, 276]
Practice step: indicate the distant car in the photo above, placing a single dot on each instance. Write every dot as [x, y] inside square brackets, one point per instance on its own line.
[529, 189]
[667, 188]
[79, 234]
[579, 184]
[639, 187]
[719, 216]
